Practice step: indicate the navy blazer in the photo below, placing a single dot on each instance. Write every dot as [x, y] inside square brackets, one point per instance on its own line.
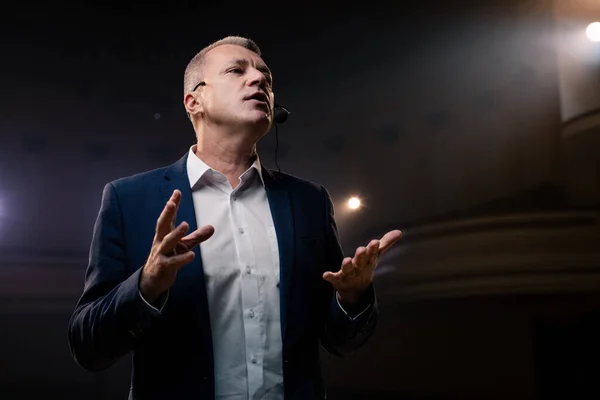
[172, 349]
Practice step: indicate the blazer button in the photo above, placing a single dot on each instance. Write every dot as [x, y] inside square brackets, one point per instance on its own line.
[205, 378]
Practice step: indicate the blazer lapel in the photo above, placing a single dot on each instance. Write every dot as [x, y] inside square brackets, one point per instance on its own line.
[176, 177]
[280, 204]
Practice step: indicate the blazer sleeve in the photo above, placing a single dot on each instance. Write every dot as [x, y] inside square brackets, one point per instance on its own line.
[110, 315]
[344, 332]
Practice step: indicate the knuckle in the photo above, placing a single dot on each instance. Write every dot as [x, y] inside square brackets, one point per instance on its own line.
[170, 262]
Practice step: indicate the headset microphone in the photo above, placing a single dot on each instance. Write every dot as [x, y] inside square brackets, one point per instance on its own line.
[280, 115]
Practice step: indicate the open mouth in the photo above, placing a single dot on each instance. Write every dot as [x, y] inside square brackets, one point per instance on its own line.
[259, 97]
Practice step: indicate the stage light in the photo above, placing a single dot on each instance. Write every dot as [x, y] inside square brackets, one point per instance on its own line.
[354, 203]
[593, 31]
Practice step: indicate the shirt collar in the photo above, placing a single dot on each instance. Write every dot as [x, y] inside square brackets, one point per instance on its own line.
[196, 168]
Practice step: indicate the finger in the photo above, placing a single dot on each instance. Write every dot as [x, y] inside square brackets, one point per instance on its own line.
[388, 240]
[169, 243]
[179, 260]
[336, 277]
[347, 266]
[372, 252]
[332, 277]
[180, 248]
[360, 258]
[198, 236]
[163, 224]
[176, 197]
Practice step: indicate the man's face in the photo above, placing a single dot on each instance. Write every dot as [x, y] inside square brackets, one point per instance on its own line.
[238, 88]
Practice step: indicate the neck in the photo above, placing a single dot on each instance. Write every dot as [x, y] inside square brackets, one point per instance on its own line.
[229, 153]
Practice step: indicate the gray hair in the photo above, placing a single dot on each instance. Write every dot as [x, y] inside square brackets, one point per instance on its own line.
[192, 74]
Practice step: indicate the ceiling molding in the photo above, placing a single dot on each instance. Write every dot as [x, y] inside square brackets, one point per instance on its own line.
[513, 254]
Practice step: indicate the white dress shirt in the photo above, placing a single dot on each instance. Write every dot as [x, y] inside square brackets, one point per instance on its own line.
[241, 268]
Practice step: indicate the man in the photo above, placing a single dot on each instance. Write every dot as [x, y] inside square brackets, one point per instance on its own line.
[237, 308]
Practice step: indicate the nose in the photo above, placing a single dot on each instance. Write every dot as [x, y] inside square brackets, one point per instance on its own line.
[256, 78]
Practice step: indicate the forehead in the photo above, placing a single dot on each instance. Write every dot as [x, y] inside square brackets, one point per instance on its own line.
[226, 54]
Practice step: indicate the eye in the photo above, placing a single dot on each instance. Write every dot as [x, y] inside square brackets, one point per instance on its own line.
[236, 70]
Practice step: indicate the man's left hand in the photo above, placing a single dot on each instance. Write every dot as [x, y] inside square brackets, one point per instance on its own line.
[356, 273]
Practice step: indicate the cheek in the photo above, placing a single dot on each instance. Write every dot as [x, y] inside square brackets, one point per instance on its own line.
[211, 103]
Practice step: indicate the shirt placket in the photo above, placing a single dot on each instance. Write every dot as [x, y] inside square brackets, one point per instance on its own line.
[250, 291]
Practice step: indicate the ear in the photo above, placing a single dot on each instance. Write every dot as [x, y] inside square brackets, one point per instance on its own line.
[192, 104]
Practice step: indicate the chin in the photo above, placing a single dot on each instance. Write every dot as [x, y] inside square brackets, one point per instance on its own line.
[255, 125]
[260, 118]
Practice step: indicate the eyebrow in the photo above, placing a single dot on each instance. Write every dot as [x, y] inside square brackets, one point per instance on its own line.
[261, 67]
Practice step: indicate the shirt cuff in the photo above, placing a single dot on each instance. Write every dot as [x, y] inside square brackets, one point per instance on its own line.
[337, 299]
[162, 300]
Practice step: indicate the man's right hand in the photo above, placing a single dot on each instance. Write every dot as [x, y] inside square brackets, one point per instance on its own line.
[171, 250]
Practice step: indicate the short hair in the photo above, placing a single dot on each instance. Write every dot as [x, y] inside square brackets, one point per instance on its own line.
[191, 76]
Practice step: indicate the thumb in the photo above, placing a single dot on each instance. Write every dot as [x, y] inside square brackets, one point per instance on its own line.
[329, 277]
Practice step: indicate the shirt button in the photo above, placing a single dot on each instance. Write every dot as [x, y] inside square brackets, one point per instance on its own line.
[241, 231]
[253, 360]
[251, 314]
[248, 270]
